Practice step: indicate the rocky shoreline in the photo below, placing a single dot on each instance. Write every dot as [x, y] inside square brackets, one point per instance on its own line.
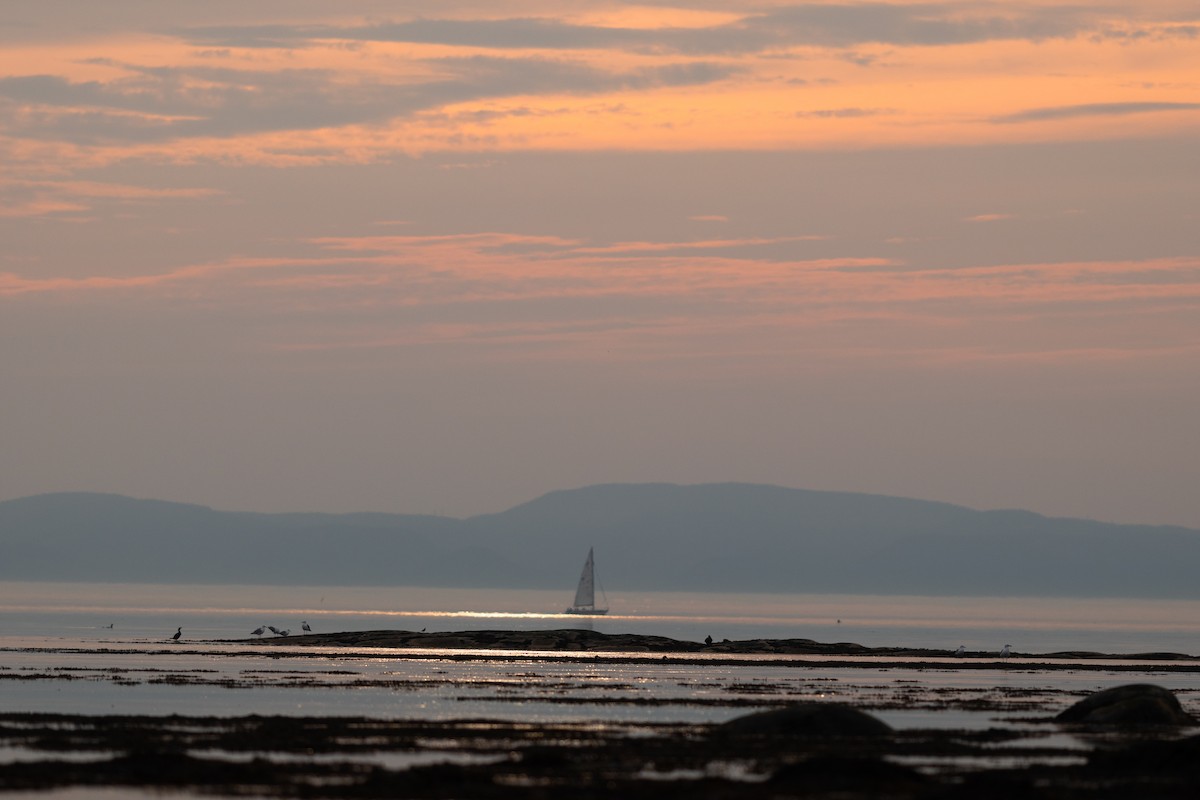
[1127, 743]
[1046, 740]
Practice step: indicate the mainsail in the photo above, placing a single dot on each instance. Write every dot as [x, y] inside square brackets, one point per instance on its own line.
[585, 594]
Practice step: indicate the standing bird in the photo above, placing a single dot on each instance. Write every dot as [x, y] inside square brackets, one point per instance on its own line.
[178, 633]
[961, 651]
[284, 633]
[1007, 651]
[304, 627]
[259, 631]
[273, 629]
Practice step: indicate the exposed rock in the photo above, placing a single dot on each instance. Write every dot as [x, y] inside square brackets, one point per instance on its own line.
[575, 640]
[808, 719]
[1133, 704]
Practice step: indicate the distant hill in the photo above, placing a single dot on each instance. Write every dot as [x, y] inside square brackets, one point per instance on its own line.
[726, 537]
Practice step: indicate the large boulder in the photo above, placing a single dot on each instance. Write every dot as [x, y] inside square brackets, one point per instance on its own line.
[807, 719]
[1133, 704]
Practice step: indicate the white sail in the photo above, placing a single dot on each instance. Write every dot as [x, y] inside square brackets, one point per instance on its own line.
[585, 595]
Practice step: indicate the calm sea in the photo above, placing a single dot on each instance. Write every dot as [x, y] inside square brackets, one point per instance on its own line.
[84, 612]
[105, 648]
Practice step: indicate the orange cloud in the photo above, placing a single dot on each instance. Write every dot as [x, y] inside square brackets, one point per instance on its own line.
[613, 77]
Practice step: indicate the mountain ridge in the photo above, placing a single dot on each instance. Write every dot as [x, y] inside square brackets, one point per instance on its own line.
[719, 537]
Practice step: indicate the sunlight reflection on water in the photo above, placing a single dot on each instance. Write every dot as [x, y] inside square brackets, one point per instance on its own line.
[60, 656]
[225, 680]
[151, 612]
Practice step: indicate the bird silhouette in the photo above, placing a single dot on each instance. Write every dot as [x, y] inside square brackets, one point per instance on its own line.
[178, 633]
[304, 627]
[284, 633]
[1006, 651]
[259, 631]
[273, 629]
[961, 651]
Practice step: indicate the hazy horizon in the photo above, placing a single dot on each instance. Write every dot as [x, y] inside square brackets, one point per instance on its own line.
[653, 536]
[304, 256]
[528, 500]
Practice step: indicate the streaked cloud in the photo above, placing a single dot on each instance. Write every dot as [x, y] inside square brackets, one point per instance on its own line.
[843, 113]
[1095, 110]
[257, 87]
[33, 198]
[826, 25]
[159, 103]
[520, 269]
[917, 23]
[1161, 32]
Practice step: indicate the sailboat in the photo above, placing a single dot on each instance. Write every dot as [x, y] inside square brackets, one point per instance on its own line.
[585, 595]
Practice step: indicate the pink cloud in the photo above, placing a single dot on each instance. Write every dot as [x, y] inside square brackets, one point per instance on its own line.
[721, 284]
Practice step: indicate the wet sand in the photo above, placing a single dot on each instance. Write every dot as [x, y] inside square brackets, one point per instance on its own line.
[362, 756]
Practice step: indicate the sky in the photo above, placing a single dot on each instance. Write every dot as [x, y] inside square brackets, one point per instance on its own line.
[446, 257]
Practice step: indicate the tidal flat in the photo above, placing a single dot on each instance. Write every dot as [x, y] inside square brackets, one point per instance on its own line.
[549, 713]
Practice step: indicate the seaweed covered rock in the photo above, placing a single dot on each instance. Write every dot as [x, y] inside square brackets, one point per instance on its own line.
[1133, 704]
[807, 719]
